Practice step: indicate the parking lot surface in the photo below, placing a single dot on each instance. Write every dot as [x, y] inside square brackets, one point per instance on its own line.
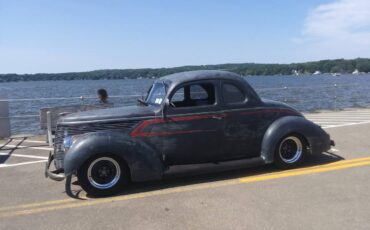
[330, 192]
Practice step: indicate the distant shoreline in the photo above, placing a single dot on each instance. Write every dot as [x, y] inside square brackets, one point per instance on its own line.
[335, 67]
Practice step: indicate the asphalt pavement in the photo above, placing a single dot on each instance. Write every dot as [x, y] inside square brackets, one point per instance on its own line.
[330, 192]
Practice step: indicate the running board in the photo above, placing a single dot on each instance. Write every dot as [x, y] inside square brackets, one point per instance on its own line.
[205, 168]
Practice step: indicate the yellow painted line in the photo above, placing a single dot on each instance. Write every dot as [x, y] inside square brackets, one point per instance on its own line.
[69, 203]
[33, 205]
[340, 162]
[62, 201]
[119, 198]
[303, 172]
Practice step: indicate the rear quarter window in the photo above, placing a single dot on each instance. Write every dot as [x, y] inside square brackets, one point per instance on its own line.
[232, 94]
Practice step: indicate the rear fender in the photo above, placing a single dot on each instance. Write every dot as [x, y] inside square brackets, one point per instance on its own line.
[317, 139]
[143, 161]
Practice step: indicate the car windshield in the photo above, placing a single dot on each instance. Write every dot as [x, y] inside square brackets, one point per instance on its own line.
[156, 94]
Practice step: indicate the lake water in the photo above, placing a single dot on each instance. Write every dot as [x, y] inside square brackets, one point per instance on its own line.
[305, 93]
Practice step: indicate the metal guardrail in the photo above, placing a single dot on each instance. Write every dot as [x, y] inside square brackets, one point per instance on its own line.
[334, 86]
[307, 87]
[21, 116]
[334, 98]
[63, 98]
[137, 95]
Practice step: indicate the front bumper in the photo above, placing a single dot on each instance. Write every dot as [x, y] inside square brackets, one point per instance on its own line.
[56, 175]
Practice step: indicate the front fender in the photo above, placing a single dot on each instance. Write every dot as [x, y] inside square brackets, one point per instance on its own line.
[318, 140]
[143, 161]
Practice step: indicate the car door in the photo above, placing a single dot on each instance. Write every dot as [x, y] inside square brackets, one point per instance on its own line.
[193, 123]
[241, 125]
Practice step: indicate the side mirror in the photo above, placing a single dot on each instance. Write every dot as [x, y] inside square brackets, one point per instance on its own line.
[142, 102]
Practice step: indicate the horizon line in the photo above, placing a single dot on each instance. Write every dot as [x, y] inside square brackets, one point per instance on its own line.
[190, 65]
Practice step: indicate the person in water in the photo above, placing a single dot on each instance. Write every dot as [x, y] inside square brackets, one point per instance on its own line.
[103, 96]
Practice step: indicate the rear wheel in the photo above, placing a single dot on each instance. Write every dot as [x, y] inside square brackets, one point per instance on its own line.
[103, 175]
[290, 152]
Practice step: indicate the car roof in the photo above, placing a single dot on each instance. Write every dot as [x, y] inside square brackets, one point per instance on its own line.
[173, 80]
[182, 77]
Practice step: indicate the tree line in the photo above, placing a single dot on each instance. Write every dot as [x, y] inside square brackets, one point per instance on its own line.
[325, 66]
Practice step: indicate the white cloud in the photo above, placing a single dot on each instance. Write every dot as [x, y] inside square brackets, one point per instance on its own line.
[340, 29]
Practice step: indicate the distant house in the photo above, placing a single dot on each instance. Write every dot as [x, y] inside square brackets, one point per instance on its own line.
[295, 72]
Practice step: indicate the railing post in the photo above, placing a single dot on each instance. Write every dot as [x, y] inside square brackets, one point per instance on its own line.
[82, 98]
[335, 97]
[5, 130]
[48, 126]
[285, 99]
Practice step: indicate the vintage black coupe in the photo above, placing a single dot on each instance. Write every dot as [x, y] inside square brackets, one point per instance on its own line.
[186, 118]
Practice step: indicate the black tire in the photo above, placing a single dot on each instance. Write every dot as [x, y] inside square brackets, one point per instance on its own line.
[103, 175]
[290, 152]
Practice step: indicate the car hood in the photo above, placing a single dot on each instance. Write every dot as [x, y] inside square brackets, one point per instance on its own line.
[110, 114]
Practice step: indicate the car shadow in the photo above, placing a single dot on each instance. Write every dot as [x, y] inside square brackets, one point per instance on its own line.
[4, 147]
[213, 173]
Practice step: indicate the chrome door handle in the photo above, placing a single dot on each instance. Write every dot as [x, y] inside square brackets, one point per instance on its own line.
[217, 117]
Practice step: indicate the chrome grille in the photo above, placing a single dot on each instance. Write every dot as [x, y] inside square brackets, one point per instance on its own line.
[81, 129]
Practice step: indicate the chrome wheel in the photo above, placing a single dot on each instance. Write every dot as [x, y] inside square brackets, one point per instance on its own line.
[104, 173]
[290, 149]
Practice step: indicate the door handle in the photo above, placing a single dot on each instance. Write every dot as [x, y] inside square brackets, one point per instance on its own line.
[218, 117]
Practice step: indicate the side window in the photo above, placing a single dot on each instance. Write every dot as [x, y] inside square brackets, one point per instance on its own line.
[197, 92]
[232, 94]
[194, 95]
[179, 96]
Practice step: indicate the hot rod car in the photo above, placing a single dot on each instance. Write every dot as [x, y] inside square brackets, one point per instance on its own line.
[186, 118]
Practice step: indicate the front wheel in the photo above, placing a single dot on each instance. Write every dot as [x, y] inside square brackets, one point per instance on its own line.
[290, 152]
[103, 175]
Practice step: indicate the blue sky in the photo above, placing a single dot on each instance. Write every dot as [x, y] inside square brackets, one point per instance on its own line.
[81, 35]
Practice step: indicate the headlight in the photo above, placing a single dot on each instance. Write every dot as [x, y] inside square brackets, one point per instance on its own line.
[68, 141]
